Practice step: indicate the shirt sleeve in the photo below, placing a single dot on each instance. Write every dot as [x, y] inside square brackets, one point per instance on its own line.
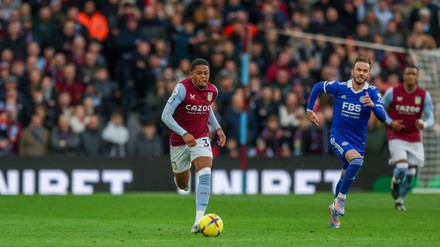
[213, 120]
[387, 99]
[317, 89]
[378, 108]
[173, 102]
[328, 87]
[428, 110]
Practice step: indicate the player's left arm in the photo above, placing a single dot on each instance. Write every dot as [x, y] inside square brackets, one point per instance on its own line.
[376, 103]
[214, 123]
[428, 111]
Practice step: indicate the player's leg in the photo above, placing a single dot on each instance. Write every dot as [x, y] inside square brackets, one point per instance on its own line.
[338, 185]
[334, 219]
[182, 180]
[201, 156]
[181, 164]
[416, 158]
[355, 162]
[399, 157]
[340, 148]
[399, 171]
[203, 190]
[405, 187]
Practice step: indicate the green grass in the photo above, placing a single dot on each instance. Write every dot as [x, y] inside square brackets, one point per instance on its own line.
[165, 219]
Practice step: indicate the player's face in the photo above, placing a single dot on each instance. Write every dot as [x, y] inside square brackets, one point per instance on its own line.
[410, 76]
[360, 72]
[200, 75]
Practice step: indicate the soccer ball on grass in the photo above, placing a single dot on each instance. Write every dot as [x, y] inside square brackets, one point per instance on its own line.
[211, 225]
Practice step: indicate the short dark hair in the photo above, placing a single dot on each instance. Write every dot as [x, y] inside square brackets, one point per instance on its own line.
[412, 67]
[362, 59]
[197, 62]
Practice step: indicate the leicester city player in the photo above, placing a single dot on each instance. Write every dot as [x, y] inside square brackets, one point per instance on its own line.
[187, 114]
[354, 101]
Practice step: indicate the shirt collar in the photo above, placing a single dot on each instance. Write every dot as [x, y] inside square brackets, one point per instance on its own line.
[350, 84]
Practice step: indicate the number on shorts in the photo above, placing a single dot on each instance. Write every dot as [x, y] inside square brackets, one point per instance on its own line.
[206, 142]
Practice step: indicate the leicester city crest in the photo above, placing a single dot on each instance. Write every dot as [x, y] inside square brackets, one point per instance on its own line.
[209, 96]
[418, 100]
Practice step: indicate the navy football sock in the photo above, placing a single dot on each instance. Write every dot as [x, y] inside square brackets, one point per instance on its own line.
[350, 174]
[338, 187]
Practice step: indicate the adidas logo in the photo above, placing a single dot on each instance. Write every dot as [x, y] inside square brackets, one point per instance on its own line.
[343, 97]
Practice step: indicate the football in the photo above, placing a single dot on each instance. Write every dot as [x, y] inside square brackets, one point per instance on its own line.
[211, 225]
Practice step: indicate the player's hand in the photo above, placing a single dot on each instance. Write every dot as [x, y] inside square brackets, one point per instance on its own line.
[397, 125]
[221, 137]
[420, 124]
[311, 115]
[368, 101]
[189, 139]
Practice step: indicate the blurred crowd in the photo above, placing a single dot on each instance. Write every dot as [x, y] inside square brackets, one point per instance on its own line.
[81, 77]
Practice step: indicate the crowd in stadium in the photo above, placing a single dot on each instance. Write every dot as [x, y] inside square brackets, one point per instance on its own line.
[83, 77]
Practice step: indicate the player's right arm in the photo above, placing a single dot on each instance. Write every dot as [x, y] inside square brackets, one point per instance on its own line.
[317, 89]
[387, 100]
[173, 102]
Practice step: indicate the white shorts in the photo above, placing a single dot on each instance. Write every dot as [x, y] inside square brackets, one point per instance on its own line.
[413, 152]
[182, 156]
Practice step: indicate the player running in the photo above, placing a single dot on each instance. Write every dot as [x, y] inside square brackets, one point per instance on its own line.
[187, 114]
[354, 101]
[405, 104]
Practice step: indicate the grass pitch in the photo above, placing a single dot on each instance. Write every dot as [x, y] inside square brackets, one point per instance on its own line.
[165, 219]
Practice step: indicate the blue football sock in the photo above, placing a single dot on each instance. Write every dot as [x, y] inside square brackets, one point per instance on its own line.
[405, 187]
[350, 174]
[338, 187]
[203, 191]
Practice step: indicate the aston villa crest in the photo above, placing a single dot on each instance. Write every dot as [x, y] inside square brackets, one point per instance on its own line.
[418, 100]
[209, 96]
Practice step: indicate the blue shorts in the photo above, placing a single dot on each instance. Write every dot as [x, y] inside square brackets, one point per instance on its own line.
[340, 147]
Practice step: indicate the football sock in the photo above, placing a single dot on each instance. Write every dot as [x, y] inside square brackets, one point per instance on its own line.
[203, 192]
[350, 174]
[399, 172]
[407, 182]
[338, 187]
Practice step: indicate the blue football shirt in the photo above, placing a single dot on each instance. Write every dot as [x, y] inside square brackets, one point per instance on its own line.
[350, 116]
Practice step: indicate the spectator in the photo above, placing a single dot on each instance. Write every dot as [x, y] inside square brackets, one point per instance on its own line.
[45, 27]
[14, 41]
[6, 145]
[283, 63]
[261, 150]
[149, 142]
[63, 139]
[143, 77]
[272, 134]
[265, 106]
[115, 136]
[231, 119]
[90, 138]
[94, 21]
[34, 139]
[79, 120]
[290, 115]
[70, 84]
